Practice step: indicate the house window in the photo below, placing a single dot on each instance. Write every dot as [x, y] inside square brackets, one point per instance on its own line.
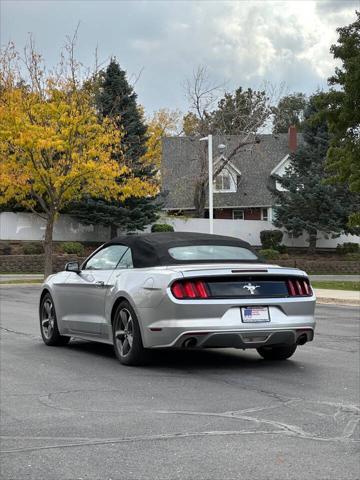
[223, 182]
[264, 214]
[238, 214]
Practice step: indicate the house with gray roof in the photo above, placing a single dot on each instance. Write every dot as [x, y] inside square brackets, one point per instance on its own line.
[243, 188]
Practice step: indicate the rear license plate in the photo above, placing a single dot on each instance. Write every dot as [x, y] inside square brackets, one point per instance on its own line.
[255, 314]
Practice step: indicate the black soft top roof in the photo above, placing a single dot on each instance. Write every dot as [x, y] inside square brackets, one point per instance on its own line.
[152, 249]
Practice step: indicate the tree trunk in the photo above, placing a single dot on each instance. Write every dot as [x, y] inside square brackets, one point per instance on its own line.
[48, 243]
[201, 182]
[312, 242]
[199, 199]
[113, 231]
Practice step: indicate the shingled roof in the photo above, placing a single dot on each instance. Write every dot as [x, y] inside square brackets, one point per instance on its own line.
[181, 166]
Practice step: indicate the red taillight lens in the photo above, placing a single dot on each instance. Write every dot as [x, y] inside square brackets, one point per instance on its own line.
[178, 290]
[201, 289]
[307, 288]
[189, 289]
[291, 288]
[298, 288]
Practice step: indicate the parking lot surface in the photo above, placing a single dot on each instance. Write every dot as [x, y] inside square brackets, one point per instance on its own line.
[75, 413]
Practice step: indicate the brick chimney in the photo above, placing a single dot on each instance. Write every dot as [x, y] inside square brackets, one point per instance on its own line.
[292, 135]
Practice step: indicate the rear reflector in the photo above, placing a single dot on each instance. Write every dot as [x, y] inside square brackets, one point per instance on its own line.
[189, 289]
[298, 288]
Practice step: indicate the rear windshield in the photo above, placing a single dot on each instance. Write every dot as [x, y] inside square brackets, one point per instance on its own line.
[211, 252]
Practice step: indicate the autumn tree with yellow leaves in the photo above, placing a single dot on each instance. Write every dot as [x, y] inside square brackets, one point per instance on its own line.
[162, 123]
[54, 149]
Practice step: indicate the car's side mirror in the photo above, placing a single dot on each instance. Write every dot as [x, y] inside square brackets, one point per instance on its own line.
[72, 267]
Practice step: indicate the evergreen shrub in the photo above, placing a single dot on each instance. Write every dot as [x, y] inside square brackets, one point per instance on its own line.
[162, 227]
[271, 239]
[33, 248]
[75, 248]
[269, 254]
[347, 247]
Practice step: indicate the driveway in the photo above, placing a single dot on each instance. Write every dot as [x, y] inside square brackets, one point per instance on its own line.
[75, 413]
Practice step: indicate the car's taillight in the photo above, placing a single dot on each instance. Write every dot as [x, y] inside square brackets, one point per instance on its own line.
[183, 289]
[298, 287]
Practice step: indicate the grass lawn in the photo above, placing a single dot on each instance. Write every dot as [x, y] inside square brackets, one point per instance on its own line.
[335, 285]
[8, 282]
[21, 273]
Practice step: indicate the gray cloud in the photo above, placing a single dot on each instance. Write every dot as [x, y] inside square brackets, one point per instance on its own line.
[334, 6]
[243, 43]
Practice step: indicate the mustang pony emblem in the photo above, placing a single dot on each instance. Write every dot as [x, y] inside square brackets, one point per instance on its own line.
[251, 288]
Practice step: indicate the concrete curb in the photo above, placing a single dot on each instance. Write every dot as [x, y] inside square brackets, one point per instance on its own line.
[337, 301]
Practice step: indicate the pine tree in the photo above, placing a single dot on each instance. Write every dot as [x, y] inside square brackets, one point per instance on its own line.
[116, 99]
[343, 111]
[308, 203]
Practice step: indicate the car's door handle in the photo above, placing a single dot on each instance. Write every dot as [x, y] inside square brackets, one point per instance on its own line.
[99, 284]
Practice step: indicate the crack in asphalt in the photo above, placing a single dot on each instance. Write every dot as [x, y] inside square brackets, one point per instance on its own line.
[139, 438]
[285, 429]
[23, 334]
[297, 431]
[47, 399]
[278, 428]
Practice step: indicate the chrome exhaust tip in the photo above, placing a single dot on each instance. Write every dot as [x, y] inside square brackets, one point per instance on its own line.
[302, 339]
[190, 342]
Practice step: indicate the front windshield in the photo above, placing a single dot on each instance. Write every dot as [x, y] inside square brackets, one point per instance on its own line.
[211, 252]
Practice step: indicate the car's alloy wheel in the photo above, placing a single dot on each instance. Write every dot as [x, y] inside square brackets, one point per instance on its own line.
[48, 318]
[124, 333]
[127, 336]
[48, 323]
[277, 353]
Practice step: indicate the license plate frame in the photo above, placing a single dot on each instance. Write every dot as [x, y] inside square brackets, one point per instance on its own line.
[255, 314]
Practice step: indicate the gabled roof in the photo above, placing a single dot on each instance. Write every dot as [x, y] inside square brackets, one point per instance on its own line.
[182, 158]
[278, 167]
[229, 165]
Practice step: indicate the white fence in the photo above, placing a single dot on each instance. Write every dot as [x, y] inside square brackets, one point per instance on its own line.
[249, 230]
[26, 226]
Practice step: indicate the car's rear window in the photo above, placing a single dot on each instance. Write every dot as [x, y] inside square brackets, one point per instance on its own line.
[211, 252]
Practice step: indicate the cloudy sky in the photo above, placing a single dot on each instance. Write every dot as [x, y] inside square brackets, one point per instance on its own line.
[241, 42]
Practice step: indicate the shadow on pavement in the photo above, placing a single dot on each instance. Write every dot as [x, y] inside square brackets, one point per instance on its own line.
[187, 359]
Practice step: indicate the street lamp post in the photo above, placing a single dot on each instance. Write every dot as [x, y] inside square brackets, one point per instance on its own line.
[221, 148]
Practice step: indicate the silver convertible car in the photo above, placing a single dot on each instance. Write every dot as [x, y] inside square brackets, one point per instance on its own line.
[178, 290]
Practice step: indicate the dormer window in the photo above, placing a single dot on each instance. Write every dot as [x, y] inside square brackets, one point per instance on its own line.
[227, 180]
[223, 181]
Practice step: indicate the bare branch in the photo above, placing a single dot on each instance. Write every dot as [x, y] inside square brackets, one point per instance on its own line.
[35, 67]
[134, 78]
[70, 49]
[241, 114]
[201, 92]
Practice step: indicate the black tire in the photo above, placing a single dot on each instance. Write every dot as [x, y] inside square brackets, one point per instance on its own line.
[127, 340]
[277, 353]
[48, 323]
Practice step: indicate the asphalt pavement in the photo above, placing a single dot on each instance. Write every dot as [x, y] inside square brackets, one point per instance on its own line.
[75, 413]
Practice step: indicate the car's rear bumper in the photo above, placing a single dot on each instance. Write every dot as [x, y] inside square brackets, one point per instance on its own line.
[220, 324]
[242, 339]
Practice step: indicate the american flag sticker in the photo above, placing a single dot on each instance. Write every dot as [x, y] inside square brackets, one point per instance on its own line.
[255, 314]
